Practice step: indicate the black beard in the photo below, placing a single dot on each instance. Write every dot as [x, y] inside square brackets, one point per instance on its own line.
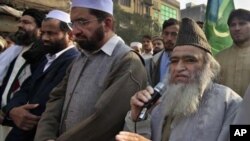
[92, 43]
[24, 38]
[55, 47]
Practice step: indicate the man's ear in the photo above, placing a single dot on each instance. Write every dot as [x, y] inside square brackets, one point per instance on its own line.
[71, 36]
[108, 23]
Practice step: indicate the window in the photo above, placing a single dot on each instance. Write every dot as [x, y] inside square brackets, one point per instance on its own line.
[167, 12]
[125, 3]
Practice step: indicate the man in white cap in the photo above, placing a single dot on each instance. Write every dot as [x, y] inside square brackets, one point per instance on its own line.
[92, 101]
[23, 111]
[136, 46]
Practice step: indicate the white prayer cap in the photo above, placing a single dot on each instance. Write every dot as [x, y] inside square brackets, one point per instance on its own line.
[102, 5]
[59, 15]
[138, 44]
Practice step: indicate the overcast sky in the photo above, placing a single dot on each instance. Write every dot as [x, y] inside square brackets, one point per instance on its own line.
[245, 4]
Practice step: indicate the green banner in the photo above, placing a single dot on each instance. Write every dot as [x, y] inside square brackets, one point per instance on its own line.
[216, 28]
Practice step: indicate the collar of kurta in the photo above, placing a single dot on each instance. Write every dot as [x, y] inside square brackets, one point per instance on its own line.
[107, 48]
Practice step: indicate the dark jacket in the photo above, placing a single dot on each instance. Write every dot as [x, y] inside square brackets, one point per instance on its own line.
[36, 89]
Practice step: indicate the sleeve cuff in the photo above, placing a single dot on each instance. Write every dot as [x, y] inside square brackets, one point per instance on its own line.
[143, 127]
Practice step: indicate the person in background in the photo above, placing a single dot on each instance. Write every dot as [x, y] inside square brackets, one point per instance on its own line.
[158, 65]
[193, 106]
[147, 47]
[91, 102]
[235, 60]
[158, 44]
[137, 47]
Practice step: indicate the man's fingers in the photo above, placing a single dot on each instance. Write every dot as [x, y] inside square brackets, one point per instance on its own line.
[128, 136]
[30, 106]
[32, 117]
[32, 122]
[136, 102]
[150, 89]
[143, 96]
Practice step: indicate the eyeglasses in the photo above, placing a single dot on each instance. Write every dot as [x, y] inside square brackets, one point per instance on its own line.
[80, 23]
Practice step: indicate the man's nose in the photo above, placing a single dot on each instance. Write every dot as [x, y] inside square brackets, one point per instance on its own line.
[180, 66]
[169, 37]
[20, 24]
[75, 30]
[44, 37]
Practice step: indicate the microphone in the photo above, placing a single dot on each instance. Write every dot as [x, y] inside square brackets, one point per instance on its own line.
[157, 94]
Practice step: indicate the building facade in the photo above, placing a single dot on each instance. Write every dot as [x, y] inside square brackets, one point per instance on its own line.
[195, 12]
[157, 10]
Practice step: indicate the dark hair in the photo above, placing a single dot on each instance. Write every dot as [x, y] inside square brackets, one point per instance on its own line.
[36, 14]
[147, 37]
[170, 22]
[101, 15]
[65, 27]
[239, 14]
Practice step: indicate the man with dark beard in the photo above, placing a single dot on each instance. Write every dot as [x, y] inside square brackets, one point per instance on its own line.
[92, 101]
[15, 68]
[193, 107]
[158, 65]
[27, 105]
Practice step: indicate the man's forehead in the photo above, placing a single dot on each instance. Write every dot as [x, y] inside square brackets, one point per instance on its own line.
[186, 50]
[239, 19]
[52, 24]
[27, 18]
[79, 13]
[171, 28]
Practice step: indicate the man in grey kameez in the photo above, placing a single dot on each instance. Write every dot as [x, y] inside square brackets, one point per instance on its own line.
[193, 107]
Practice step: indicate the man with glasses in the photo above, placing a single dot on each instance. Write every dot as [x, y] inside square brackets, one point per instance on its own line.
[158, 65]
[91, 102]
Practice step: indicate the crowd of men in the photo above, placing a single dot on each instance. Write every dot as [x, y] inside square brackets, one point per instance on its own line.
[70, 77]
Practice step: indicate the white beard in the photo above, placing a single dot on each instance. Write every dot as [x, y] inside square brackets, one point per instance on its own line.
[183, 99]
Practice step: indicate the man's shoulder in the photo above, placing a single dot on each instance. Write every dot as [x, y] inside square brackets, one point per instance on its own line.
[121, 47]
[225, 52]
[225, 92]
[158, 55]
[72, 52]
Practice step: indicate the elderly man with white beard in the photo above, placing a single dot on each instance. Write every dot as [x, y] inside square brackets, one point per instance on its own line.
[193, 106]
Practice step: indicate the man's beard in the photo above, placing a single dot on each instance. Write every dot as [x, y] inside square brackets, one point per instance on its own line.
[168, 46]
[240, 41]
[182, 100]
[56, 46]
[91, 44]
[24, 38]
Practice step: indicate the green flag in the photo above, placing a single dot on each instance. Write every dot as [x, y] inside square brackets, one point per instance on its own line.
[216, 28]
